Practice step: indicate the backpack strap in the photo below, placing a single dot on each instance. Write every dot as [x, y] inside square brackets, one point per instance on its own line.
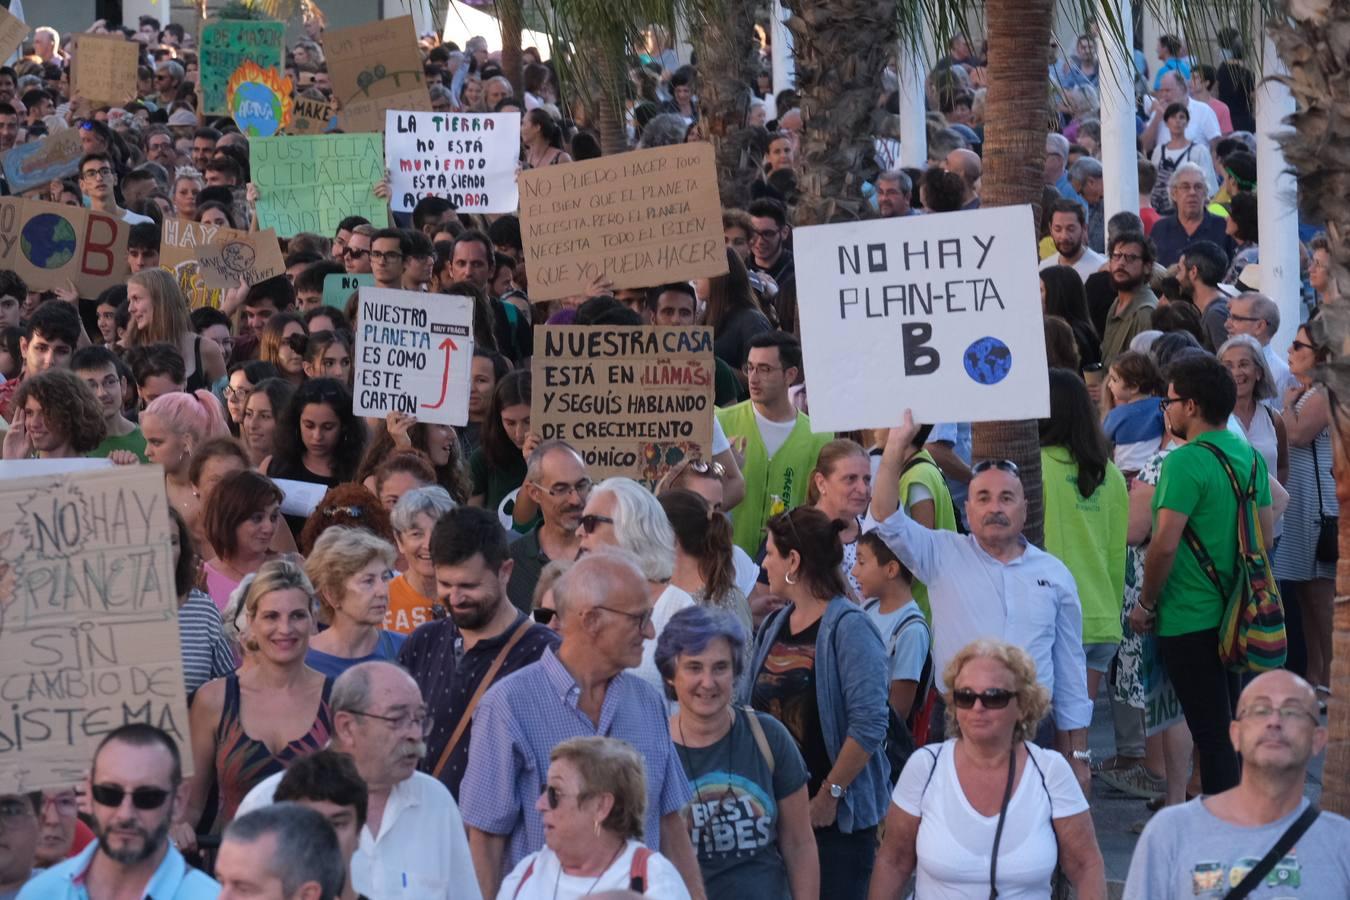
[529, 870]
[1189, 534]
[637, 873]
[935, 753]
[761, 739]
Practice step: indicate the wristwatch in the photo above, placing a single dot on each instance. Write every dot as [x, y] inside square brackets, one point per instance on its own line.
[836, 791]
[1083, 756]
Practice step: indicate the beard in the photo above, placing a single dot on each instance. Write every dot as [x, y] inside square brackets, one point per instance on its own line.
[131, 854]
[1068, 249]
[1178, 433]
[1127, 283]
[474, 618]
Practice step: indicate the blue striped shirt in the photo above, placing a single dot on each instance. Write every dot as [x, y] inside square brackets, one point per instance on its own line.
[524, 716]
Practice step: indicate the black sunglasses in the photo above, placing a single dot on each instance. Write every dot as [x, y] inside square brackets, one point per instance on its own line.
[543, 616]
[112, 795]
[591, 522]
[992, 698]
[555, 796]
[1003, 465]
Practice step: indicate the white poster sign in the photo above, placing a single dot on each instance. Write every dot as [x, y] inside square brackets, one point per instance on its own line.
[469, 159]
[940, 314]
[413, 352]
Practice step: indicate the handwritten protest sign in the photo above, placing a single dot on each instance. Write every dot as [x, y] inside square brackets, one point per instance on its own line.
[88, 620]
[178, 245]
[231, 255]
[104, 69]
[13, 32]
[413, 352]
[226, 45]
[940, 314]
[373, 68]
[633, 401]
[259, 100]
[34, 165]
[312, 182]
[49, 244]
[642, 218]
[338, 289]
[311, 116]
[467, 158]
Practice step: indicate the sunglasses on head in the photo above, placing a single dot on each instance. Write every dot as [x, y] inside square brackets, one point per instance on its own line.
[991, 698]
[591, 522]
[1003, 465]
[112, 795]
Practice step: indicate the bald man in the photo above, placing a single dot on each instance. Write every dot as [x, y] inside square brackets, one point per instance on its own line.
[966, 163]
[1211, 843]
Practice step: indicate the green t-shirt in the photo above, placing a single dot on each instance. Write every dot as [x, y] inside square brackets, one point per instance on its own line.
[494, 483]
[1193, 482]
[927, 475]
[133, 440]
[1088, 536]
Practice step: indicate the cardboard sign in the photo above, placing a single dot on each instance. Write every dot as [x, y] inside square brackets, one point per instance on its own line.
[338, 288]
[259, 100]
[373, 68]
[49, 244]
[413, 354]
[311, 183]
[13, 32]
[35, 165]
[466, 158]
[633, 401]
[643, 218]
[178, 243]
[88, 620]
[233, 255]
[310, 116]
[104, 69]
[226, 45]
[940, 314]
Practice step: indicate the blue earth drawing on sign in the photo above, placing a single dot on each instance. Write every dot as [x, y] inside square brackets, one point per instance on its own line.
[988, 360]
[48, 241]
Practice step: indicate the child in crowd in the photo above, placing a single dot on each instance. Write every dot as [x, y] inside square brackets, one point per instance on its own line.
[1134, 420]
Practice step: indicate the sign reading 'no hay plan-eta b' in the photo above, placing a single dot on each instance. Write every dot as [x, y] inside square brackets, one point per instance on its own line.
[940, 314]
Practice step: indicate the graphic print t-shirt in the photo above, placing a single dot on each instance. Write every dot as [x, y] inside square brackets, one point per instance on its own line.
[786, 690]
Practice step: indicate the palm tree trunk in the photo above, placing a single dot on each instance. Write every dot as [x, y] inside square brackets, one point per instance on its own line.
[727, 64]
[607, 102]
[509, 15]
[1014, 165]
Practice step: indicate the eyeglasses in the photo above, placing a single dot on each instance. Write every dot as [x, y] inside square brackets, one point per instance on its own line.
[103, 172]
[1126, 257]
[1263, 713]
[421, 721]
[1299, 345]
[766, 235]
[66, 804]
[297, 342]
[591, 522]
[1236, 318]
[15, 808]
[1168, 401]
[559, 491]
[380, 256]
[638, 619]
[556, 796]
[1187, 187]
[763, 369]
[543, 616]
[112, 795]
[991, 698]
[1003, 465]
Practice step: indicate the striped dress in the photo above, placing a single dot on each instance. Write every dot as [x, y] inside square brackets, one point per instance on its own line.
[1295, 559]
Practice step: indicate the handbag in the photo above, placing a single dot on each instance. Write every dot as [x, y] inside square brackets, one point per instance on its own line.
[1255, 876]
[1328, 527]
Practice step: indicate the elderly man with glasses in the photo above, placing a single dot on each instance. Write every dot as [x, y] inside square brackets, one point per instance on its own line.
[557, 480]
[992, 583]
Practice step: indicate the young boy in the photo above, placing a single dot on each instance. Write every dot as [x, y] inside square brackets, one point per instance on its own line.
[99, 368]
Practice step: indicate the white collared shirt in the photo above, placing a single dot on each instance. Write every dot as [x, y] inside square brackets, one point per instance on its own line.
[1031, 601]
[421, 851]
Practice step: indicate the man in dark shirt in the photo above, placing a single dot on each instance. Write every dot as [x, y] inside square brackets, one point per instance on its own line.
[485, 638]
[1190, 222]
[557, 480]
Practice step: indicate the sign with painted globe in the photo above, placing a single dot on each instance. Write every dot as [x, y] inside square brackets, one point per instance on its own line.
[50, 245]
[48, 241]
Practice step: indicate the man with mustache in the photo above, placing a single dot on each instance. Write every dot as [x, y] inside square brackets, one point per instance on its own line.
[992, 583]
[413, 845]
[1131, 264]
[557, 481]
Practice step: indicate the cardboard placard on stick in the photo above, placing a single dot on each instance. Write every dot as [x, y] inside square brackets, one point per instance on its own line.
[311, 116]
[233, 255]
[226, 45]
[49, 244]
[339, 287]
[313, 182]
[633, 400]
[104, 69]
[179, 240]
[413, 352]
[373, 68]
[88, 620]
[466, 158]
[937, 314]
[35, 165]
[13, 32]
[643, 218]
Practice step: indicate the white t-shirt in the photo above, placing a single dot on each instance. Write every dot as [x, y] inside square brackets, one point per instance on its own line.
[911, 644]
[1088, 264]
[671, 601]
[720, 444]
[547, 880]
[774, 434]
[955, 841]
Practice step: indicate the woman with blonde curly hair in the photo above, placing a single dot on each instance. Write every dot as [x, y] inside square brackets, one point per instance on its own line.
[174, 426]
[351, 569]
[286, 700]
[159, 313]
[988, 812]
[56, 416]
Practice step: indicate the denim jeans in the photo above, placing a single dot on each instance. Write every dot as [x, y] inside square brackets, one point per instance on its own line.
[1207, 691]
[845, 862]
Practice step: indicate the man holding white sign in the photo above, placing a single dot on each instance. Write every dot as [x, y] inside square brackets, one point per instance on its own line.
[939, 312]
[412, 355]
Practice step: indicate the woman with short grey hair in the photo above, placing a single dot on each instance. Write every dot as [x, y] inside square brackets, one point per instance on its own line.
[412, 595]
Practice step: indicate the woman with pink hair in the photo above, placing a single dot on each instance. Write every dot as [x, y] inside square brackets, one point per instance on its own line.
[174, 426]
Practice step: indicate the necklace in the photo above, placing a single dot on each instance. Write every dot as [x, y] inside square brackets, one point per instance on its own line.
[682, 748]
[557, 881]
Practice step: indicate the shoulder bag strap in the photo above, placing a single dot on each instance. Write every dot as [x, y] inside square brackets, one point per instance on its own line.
[1189, 534]
[520, 885]
[1002, 815]
[483, 685]
[1317, 473]
[637, 873]
[761, 739]
[1286, 842]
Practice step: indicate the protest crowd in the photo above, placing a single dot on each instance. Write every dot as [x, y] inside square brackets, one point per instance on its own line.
[430, 653]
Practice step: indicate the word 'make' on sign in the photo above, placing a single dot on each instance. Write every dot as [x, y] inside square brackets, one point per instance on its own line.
[413, 353]
[48, 244]
[643, 218]
[313, 182]
[466, 158]
[88, 620]
[633, 401]
[940, 314]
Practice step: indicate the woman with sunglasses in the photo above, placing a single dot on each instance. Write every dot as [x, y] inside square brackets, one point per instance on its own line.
[274, 709]
[988, 812]
[283, 344]
[351, 569]
[159, 314]
[592, 808]
[820, 668]
[543, 607]
[738, 761]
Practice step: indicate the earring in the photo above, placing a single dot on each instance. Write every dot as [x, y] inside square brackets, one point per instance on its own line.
[597, 827]
[789, 579]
